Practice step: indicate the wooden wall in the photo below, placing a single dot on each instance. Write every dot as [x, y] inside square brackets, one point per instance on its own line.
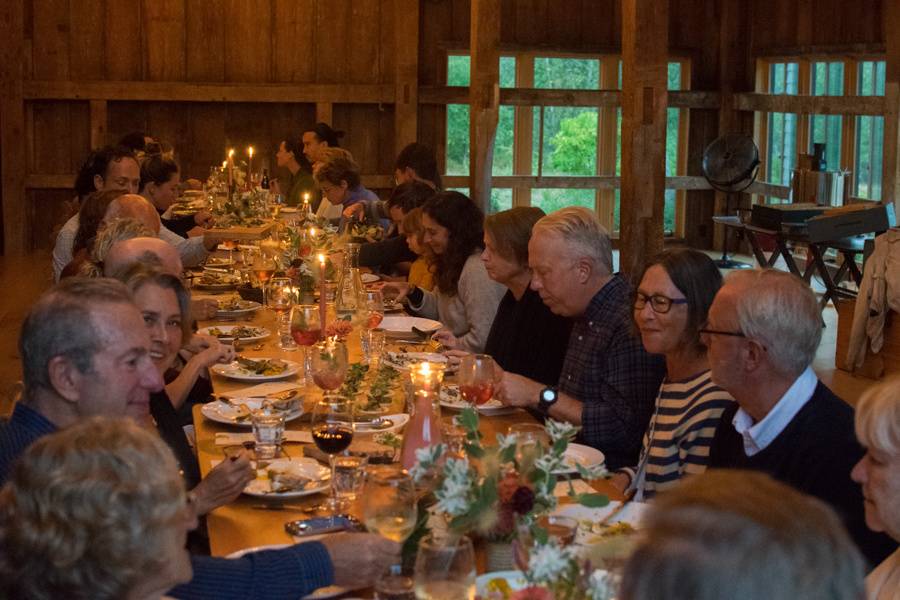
[209, 74]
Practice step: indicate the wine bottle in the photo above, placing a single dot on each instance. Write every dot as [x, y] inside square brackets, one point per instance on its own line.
[264, 183]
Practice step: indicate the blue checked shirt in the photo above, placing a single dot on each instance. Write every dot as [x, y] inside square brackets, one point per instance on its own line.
[287, 574]
[608, 370]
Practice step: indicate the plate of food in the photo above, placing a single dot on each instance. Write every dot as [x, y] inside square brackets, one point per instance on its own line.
[257, 369]
[452, 399]
[369, 278]
[582, 455]
[236, 411]
[219, 261]
[285, 478]
[391, 305]
[404, 361]
[243, 333]
[216, 281]
[236, 307]
[499, 585]
[396, 326]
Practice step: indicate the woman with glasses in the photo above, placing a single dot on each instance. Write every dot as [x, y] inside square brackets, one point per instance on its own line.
[670, 308]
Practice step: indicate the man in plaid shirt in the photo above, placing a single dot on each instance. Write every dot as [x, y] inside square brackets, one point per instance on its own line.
[608, 381]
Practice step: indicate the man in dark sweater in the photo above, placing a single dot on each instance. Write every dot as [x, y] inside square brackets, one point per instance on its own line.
[763, 331]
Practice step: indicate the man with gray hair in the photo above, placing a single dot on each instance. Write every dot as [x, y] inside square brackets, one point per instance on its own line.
[763, 330]
[608, 382]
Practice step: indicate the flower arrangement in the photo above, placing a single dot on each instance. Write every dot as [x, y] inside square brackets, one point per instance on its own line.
[557, 573]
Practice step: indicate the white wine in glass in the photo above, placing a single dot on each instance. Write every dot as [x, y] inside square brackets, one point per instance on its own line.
[390, 507]
[445, 570]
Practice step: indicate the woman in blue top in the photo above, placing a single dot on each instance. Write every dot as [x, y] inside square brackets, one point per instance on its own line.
[338, 178]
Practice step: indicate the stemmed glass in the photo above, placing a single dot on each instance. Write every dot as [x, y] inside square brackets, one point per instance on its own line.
[263, 269]
[230, 245]
[445, 569]
[306, 329]
[390, 511]
[332, 431]
[328, 364]
[281, 299]
[476, 377]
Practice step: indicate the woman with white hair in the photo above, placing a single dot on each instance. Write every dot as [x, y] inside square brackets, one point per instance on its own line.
[878, 472]
[98, 511]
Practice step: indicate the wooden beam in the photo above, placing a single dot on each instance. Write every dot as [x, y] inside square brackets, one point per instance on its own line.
[831, 105]
[730, 52]
[99, 122]
[523, 134]
[50, 181]
[484, 97]
[544, 97]
[406, 73]
[890, 181]
[645, 34]
[829, 52]
[16, 226]
[173, 91]
[607, 137]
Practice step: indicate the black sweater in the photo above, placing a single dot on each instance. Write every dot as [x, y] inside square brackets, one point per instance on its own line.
[814, 454]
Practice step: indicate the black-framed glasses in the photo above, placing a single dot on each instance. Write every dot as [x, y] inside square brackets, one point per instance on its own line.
[659, 303]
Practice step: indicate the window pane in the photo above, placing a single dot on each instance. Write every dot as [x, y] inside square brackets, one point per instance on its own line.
[567, 73]
[674, 82]
[503, 142]
[869, 140]
[457, 139]
[570, 141]
[554, 199]
[827, 80]
[501, 199]
[507, 71]
[458, 70]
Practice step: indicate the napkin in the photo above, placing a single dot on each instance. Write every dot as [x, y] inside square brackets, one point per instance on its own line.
[236, 439]
[261, 390]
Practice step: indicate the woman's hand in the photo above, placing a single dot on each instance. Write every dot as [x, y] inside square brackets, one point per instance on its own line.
[216, 353]
[455, 356]
[396, 290]
[224, 483]
[446, 338]
[357, 210]
[620, 481]
[204, 219]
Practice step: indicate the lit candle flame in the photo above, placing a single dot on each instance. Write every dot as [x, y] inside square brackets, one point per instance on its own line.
[224, 163]
[425, 368]
[322, 259]
[312, 232]
[231, 153]
[306, 197]
[250, 151]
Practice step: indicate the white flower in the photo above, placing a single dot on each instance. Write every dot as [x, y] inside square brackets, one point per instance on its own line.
[558, 430]
[548, 561]
[453, 495]
[592, 471]
[601, 585]
[426, 458]
[506, 441]
[548, 462]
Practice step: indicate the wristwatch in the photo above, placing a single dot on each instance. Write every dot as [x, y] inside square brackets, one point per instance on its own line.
[546, 399]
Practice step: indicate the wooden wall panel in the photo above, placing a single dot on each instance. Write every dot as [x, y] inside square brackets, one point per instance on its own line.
[362, 50]
[164, 39]
[204, 40]
[295, 35]
[124, 35]
[791, 25]
[248, 46]
[86, 39]
[335, 39]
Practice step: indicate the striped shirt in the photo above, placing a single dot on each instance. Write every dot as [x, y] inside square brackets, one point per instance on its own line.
[680, 433]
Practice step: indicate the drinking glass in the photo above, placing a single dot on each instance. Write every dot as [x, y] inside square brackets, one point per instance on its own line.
[332, 431]
[374, 309]
[268, 430]
[350, 476]
[445, 569]
[328, 364]
[532, 441]
[390, 511]
[372, 342]
[306, 329]
[281, 299]
[263, 269]
[476, 378]
[230, 245]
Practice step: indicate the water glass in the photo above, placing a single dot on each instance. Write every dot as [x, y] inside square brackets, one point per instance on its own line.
[445, 569]
[372, 342]
[281, 299]
[268, 431]
[394, 585]
[532, 441]
[349, 476]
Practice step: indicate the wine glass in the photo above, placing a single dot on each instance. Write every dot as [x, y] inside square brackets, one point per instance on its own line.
[390, 511]
[281, 299]
[445, 569]
[230, 245]
[476, 377]
[332, 432]
[328, 364]
[374, 309]
[263, 269]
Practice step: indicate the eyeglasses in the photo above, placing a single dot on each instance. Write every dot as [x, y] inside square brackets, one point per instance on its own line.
[707, 331]
[659, 303]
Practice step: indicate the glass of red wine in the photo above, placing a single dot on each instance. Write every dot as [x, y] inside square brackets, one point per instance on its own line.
[332, 432]
[477, 375]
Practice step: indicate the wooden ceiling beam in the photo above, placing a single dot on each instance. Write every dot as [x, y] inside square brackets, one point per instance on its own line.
[830, 105]
[544, 97]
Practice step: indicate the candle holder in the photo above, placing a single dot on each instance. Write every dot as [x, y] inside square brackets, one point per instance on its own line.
[425, 380]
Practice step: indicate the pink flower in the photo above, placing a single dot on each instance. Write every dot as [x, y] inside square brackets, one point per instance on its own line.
[532, 593]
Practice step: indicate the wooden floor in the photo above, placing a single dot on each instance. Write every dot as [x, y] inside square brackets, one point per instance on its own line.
[22, 280]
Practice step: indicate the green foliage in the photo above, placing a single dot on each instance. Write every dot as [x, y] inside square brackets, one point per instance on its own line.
[592, 500]
[575, 145]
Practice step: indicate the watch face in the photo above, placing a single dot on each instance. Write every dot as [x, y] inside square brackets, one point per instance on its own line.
[548, 395]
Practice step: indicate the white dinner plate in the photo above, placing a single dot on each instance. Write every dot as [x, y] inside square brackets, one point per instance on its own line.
[259, 333]
[261, 488]
[218, 261]
[242, 308]
[220, 412]
[399, 422]
[396, 326]
[451, 398]
[404, 361]
[581, 454]
[370, 278]
[235, 371]
[515, 579]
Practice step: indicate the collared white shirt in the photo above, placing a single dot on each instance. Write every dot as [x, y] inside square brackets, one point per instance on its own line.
[759, 435]
[62, 248]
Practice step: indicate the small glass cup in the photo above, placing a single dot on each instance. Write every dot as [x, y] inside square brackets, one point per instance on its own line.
[454, 437]
[349, 476]
[268, 431]
[445, 568]
[532, 441]
[372, 342]
[393, 584]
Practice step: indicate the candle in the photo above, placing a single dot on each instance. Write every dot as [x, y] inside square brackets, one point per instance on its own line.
[231, 168]
[305, 203]
[322, 313]
[250, 165]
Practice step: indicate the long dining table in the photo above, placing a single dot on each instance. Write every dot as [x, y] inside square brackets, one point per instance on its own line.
[250, 522]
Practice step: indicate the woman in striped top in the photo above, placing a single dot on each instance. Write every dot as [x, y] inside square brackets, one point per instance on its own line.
[670, 308]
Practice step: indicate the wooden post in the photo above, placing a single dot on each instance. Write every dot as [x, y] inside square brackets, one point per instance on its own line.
[406, 72]
[524, 130]
[890, 182]
[730, 57]
[16, 231]
[98, 123]
[645, 32]
[484, 97]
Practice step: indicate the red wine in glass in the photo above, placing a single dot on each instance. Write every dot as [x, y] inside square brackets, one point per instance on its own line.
[306, 337]
[478, 393]
[332, 438]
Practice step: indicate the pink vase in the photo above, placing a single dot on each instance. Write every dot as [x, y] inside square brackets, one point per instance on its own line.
[423, 429]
